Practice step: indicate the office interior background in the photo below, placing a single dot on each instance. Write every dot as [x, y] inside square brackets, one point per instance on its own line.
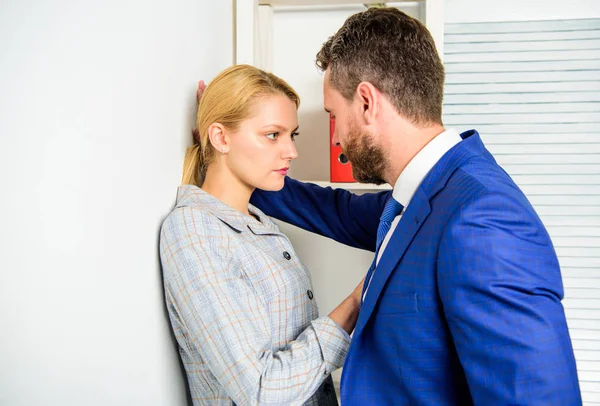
[97, 103]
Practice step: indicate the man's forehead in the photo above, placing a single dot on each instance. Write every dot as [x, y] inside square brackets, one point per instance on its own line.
[327, 77]
[326, 84]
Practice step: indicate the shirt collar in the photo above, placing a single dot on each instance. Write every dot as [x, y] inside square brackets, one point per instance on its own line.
[193, 196]
[416, 170]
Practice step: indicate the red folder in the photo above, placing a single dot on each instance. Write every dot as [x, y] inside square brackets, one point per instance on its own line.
[340, 167]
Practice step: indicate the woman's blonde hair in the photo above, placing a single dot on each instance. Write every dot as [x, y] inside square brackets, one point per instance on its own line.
[229, 99]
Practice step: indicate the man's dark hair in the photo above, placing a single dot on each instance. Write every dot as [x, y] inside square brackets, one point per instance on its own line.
[394, 52]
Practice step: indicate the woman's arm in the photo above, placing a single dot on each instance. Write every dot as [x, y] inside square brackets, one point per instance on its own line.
[346, 314]
[229, 326]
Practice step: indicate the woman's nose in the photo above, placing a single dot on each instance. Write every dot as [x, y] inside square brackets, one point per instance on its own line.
[290, 151]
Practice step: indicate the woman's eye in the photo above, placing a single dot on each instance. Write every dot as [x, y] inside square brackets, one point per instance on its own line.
[272, 136]
[294, 135]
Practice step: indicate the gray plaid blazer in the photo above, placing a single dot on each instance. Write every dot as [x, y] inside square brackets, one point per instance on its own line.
[242, 308]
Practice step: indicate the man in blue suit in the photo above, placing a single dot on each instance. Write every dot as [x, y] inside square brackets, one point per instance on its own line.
[462, 304]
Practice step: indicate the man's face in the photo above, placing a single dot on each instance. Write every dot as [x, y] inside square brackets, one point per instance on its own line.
[367, 158]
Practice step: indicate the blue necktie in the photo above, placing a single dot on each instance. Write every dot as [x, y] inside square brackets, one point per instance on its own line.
[390, 211]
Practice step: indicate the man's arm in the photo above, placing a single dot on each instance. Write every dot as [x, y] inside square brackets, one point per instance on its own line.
[501, 290]
[338, 214]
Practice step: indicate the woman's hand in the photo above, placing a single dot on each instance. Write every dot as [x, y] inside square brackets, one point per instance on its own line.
[357, 292]
[346, 314]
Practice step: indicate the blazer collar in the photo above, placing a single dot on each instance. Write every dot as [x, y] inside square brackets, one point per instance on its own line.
[193, 196]
[469, 147]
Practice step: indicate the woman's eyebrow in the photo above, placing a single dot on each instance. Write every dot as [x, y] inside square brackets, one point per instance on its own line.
[280, 127]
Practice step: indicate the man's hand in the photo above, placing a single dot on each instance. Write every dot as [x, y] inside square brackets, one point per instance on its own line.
[200, 91]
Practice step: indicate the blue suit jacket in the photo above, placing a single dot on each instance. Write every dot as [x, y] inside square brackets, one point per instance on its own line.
[465, 304]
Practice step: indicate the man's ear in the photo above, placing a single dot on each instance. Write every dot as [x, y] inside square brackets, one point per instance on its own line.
[368, 99]
[218, 137]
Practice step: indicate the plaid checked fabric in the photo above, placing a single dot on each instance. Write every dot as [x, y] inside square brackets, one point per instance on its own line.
[242, 308]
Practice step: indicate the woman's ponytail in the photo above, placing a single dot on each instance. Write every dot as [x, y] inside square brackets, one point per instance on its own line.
[193, 165]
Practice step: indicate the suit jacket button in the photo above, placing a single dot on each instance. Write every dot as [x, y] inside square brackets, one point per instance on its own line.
[287, 255]
[310, 294]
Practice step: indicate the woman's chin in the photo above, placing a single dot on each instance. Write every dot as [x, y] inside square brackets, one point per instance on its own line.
[272, 185]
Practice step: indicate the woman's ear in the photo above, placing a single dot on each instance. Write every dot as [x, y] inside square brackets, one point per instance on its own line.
[218, 138]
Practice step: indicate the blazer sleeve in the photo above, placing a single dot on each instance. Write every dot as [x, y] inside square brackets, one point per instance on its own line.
[229, 326]
[334, 213]
[501, 289]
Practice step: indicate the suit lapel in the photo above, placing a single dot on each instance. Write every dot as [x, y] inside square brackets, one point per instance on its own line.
[410, 223]
[416, 213]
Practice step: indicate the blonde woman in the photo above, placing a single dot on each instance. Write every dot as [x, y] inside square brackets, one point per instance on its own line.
[240, 301]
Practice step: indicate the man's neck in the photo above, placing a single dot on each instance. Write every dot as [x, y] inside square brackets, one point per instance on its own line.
[405, 142]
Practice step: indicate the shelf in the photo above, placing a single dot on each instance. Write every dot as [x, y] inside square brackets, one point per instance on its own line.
[350, 186]
[326, 2]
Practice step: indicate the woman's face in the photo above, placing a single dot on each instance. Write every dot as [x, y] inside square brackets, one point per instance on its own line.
[263, 146]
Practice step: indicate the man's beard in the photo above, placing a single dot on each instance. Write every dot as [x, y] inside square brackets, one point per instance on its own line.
[368, 160]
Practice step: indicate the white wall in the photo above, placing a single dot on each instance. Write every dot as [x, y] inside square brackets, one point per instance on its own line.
[96, 105]
[457, 11]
